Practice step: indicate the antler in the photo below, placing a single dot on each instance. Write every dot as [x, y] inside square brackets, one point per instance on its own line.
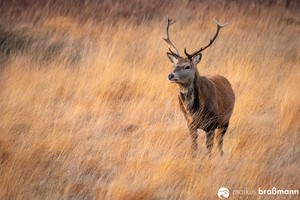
[219, 26]
[168, 41]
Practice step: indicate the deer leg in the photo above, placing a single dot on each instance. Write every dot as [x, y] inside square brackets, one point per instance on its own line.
[210, 134]
[210, 140]
[194, 136]
[221, 134]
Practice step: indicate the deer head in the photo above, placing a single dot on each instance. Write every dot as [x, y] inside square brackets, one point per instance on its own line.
[185, 68]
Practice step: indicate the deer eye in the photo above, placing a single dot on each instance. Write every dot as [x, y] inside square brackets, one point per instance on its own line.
[187, 67]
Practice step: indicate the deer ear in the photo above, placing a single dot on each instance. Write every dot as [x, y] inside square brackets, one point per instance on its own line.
[196, 58]
[172, 57]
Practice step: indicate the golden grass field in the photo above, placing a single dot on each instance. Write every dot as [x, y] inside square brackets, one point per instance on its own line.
[87, 111]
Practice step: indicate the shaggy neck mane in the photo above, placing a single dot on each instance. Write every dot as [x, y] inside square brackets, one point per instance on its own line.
[189, 94]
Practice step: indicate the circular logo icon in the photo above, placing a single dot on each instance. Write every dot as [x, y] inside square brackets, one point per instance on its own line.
[223, 192]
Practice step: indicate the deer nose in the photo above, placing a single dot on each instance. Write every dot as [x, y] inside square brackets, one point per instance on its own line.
[171, 76]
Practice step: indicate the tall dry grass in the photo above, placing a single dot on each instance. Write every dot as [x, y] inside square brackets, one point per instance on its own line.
[87, 111]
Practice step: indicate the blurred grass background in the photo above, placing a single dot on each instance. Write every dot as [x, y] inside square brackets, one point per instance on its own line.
[87, 111]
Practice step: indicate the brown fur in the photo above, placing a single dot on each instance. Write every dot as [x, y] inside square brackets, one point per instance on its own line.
[206, 102]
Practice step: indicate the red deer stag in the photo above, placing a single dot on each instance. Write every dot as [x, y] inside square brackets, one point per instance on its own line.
[206, 102]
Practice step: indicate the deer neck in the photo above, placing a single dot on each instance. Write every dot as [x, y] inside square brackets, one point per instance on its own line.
[189, 92]
[185, 89]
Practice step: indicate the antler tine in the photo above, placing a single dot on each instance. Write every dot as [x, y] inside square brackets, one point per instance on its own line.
[219, 26]
[172, 52]
[188, 55]
[168, 41]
